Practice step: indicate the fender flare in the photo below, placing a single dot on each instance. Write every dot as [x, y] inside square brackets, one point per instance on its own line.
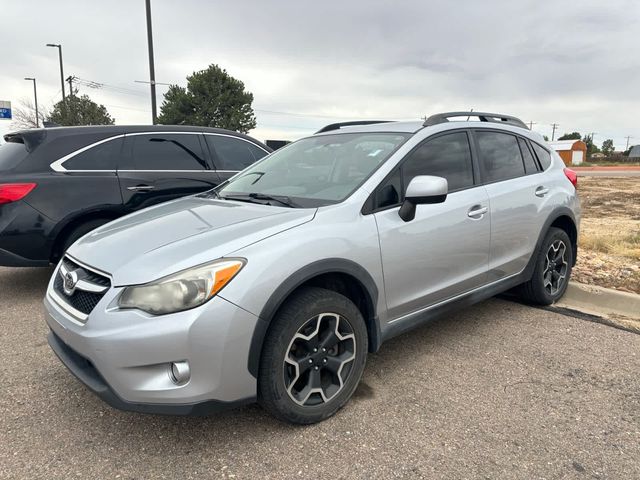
[553, 216]
[278, 297]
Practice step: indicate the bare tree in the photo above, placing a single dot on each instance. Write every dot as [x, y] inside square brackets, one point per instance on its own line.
[24, 115]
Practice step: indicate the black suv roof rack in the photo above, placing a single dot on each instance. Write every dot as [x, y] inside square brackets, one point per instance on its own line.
[339, 125]
[482, 116]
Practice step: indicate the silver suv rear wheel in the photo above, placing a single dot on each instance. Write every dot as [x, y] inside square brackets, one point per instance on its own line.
[552, 269]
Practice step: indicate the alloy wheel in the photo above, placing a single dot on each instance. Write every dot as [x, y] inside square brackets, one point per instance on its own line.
[319, 359]
[555, 267]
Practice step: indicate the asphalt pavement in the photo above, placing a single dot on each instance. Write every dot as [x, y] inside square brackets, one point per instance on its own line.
[498, 390]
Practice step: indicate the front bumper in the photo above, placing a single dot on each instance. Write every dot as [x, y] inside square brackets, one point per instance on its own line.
[84, 370]
[124, 356]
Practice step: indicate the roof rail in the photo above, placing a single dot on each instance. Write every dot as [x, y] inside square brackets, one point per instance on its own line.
[482, 116]
[339, 125]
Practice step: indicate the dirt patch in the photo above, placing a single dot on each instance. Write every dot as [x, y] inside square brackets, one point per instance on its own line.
[609, 243]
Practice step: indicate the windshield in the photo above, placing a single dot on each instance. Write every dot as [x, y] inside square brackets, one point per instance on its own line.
[315, 171]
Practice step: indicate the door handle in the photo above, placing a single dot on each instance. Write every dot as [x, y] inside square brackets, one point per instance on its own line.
[541, 191]
[141, 188]
[477, 211]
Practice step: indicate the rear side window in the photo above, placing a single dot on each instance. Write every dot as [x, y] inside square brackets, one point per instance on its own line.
[165, 152]
[544, 157]
[101, 157]
[447, 156]
[500, 156]
[530, 165]
[232, 153]
[11, 154]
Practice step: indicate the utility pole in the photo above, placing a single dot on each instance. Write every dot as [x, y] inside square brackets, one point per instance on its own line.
[627, 137]
[35, 98]
[152, 73]
[531, 124]
[59, 47]
[553, 134]
[70, 79]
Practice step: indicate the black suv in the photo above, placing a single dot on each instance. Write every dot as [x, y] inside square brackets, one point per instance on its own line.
[57, 184]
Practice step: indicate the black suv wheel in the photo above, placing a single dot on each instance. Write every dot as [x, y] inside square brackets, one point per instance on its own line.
[313, 356]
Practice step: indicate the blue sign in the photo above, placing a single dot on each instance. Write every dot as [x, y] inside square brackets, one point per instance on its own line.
[5, 109]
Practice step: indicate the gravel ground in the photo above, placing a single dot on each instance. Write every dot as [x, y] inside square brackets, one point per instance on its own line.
[499, 390]
[609, 240]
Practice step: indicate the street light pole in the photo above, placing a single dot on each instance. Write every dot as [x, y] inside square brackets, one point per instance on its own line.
[35, 97]
[59, 47]
[152, 73]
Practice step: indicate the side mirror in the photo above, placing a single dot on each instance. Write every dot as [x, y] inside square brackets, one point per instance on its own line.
[422, 189]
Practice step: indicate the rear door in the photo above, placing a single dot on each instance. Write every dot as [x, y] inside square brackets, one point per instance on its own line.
[158, 166]
[232, 154]
[516, 194]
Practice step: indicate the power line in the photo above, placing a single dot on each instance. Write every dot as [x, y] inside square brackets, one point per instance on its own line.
[553, 134]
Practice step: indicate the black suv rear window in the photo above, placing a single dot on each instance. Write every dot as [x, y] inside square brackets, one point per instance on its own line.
[11, 154]
[101, 157]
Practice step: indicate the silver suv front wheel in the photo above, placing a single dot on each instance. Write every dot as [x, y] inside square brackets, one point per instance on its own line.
[313, 357]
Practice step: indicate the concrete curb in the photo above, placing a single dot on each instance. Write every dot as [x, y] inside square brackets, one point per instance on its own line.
[620, 308]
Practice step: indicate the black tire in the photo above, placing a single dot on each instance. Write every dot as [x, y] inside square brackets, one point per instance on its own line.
[536, 291]
[301, 314]
[80, 231]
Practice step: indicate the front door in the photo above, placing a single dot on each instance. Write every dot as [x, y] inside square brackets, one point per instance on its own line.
[444, 250]
[157, 167]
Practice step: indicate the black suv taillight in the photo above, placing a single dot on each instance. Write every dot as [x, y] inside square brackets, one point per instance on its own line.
[12, 192]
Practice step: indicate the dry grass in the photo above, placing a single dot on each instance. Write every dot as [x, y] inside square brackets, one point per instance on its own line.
[624, 245]
[609, 242]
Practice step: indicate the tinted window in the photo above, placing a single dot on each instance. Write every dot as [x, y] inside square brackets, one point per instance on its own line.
[101, 157]
[544, 157]
[166, 152]
[500, 155]
[389, 191]
[232, 153]
[11, 154]
[530, 165]
[447, 156]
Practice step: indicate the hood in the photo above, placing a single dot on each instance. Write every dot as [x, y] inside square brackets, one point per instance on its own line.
[173, 236]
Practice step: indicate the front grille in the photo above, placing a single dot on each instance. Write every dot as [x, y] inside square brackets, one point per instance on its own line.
[81, 300]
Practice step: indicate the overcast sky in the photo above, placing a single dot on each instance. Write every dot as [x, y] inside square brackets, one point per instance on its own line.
[576, 63]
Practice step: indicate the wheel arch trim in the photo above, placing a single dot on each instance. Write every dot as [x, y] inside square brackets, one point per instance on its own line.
[288, 286]
[555, 215]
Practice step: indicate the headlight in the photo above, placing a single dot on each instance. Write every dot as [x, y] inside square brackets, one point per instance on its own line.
[182, 290]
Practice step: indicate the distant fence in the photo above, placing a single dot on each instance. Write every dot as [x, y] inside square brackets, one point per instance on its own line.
[616, 157]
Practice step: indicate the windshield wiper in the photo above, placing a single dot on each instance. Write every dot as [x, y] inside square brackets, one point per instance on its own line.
[209, 194]
[248, 197]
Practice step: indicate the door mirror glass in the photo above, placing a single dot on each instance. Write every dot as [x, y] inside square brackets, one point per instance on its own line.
[423, 189]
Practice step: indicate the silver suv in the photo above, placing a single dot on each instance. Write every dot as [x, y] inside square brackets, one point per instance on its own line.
[275, 285]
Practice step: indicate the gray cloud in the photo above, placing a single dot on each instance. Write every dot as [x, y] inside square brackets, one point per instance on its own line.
[575, 62]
